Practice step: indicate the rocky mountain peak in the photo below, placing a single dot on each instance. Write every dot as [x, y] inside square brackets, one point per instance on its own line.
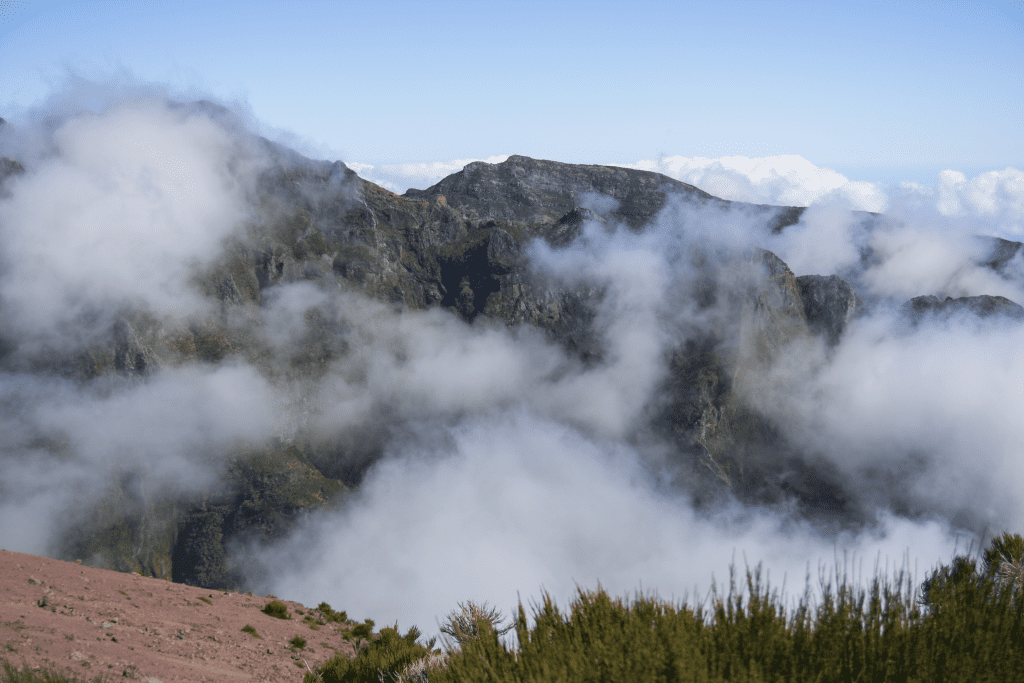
[465, 245]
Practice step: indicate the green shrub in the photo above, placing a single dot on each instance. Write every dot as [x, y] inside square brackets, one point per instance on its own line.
[970, 634]
[276, 609]
[298, 641]
[1003, 568]
[948, 578]
[361, 631]
[382, 659]
[419, 671]
[251, 631]
[1004, 562]
[330, 615]
[464, 624]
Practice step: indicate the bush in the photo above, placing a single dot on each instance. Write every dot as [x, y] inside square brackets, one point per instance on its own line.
[330, 615]
[298, 641]
[1004, 562]
[276, 609]
[1003, 568]
[946, 579]
[418, 671]
[382, 659]
[464, 624]
[251, 631]
[362, 631]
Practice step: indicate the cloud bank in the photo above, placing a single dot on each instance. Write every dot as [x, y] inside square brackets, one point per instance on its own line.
[507, 466]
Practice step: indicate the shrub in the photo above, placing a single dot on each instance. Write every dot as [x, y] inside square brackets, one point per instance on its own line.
[330, 615]
[362, 631]
[1003, 568]
[1004, 562]
[464, 624]
[418, 671]
[946, 579]
[251, 631]
[298, 641]
[276, 609]
[382, 659]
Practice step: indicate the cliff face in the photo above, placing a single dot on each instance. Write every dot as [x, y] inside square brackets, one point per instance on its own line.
[462, 245]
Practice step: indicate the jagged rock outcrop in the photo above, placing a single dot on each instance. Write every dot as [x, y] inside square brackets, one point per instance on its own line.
[712, 385]
[460, 245]
[8, 168]
[830, 303]
[984, 306]
[1000, 252]
[537, 192]
[186, 539]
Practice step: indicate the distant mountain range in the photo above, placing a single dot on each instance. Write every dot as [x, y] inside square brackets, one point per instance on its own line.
[463, 245]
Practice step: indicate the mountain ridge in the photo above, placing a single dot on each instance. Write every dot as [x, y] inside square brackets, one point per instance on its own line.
[463, 245]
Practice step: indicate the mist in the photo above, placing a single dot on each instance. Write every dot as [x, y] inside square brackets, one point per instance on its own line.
[508, 467]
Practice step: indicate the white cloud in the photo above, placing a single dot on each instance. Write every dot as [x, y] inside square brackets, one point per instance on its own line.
[519, 504]
[508, 466]
[401, 177]
[785, 180]
[995, 196]
[119, 213]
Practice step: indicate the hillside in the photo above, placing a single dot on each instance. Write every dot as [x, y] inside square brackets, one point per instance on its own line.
[324, 284]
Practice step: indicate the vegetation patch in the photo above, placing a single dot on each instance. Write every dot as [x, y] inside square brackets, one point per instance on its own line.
[298, 642]
[965, 623]
[358, 632]
[382, 659]
[251, 631]
[329, 615]
[276, 609]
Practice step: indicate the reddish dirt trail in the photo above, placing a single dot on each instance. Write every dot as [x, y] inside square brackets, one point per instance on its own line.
[87, 622]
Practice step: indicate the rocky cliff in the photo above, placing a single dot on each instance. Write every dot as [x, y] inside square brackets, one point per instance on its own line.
[463, 245]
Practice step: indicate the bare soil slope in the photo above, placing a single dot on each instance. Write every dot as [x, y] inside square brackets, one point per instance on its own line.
[87, 622]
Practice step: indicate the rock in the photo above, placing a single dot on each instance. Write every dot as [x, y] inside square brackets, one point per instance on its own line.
[534, 191]
[713, 382]
[458, 245]
[830, 303]
[985, 307]
[185, 540]
[1000, 252]
[8, 168]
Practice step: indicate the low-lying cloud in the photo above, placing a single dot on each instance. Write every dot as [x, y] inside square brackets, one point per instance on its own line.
[507, 465]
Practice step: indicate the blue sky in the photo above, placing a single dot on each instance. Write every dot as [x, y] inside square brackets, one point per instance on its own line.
[877, 91]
